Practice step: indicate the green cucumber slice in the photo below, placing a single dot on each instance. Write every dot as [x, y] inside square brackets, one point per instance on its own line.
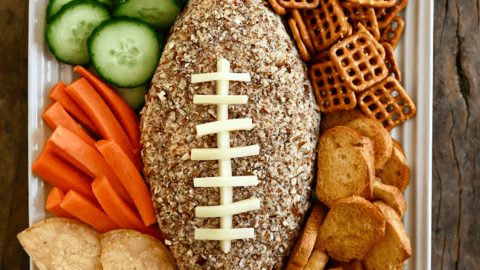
[160, 14]
[69, 30]
[135, 97]
[124, 51]
[54, 6]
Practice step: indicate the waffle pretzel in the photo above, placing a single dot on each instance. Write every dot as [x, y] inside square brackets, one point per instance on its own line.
[393, 31]
[374, 3]
[326, 25]
[365, 15]
[321, 57]
[300, 4]
[296, 35]
[277, 7]
[350, 30]
[385, 15]
[391, 62]
[332, 93]
[303, 31]
[358, 62]
[388, 102]
[361, 29]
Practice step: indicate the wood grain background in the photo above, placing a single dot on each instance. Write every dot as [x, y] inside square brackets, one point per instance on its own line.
[13, 131]
[456, 140]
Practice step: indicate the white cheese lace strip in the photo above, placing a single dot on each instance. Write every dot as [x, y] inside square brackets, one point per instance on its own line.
[228, 209]
[232, 181]
[220, 76]
[219, 99]
[225, 153]
[224, 234]
[224, 126]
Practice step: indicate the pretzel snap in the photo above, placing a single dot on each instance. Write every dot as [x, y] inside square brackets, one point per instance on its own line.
[385, 15]
[374, 3]
[296, 35]
[393, 31]
[358, 62]
[332, 93]
[388, 102]
[365, 15]
[391, 62]
[303, 31]
[326, 25]
[301, 4]
[277, 7]
[362, 29]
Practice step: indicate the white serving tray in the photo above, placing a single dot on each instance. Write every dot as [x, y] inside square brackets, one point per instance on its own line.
[415, 56]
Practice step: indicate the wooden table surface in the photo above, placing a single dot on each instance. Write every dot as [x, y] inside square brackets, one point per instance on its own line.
[456, 140]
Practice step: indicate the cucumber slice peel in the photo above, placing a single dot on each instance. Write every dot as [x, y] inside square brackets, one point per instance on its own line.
[124, 51]
[160, 14]
[70, 28]
[54, 6]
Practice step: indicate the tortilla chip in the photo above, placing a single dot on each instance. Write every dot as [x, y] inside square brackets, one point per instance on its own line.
[62, 243]
[128, 249]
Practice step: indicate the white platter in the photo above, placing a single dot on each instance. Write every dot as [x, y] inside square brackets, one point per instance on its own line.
[415, 56]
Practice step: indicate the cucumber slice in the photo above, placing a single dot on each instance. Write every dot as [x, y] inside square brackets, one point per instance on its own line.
[109, 3]
[67, 35]
[55, 5]
[135, 97]
[161, 40]
[160, 14]
[124, 51]
[183, 2]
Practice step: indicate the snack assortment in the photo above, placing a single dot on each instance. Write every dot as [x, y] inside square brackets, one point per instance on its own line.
[222, 165]
[359, 37]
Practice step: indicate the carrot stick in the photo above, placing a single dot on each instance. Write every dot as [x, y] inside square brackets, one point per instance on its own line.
[82, 92]
[56, 115]
[125, 115]
[70, 147]
[131, 179]
[88, 212]
[58, 94]
[119, 211]
[55, 197]
[62, 174]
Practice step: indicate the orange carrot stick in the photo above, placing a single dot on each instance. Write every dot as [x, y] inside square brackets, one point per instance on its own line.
[55, 198]
[70, 147]
[88, 212]
[131, 179]
[58, 94]
[82, 92]
[56, 115]
[125, 115]
[62, 174]
[119, 211]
